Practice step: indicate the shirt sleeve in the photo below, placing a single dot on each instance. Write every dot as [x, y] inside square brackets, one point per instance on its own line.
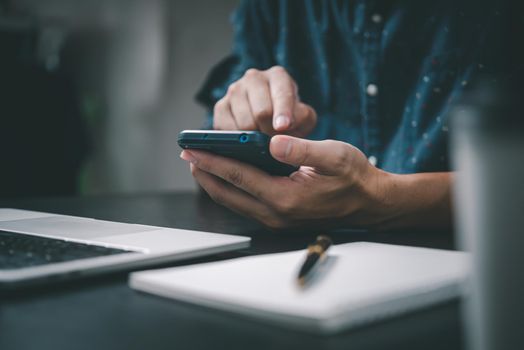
[254, 37]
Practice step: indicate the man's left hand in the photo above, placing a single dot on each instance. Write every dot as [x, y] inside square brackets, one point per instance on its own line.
[334, 181]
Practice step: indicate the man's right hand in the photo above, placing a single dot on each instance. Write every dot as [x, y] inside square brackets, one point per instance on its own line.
[267, 101]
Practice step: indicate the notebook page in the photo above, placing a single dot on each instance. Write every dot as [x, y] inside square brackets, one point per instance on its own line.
[355, 276]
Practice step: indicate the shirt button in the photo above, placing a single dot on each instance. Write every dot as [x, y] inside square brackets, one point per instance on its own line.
[377, 18]
[372, 90]
[372, 160]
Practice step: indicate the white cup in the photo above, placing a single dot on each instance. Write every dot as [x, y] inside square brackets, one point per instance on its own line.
[488, 152]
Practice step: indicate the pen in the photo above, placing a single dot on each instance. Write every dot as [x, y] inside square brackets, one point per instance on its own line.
[316, 253]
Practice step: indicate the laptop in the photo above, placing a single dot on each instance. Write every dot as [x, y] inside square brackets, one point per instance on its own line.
[36, 247]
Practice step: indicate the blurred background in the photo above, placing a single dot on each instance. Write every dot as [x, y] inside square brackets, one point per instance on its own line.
[93, 93]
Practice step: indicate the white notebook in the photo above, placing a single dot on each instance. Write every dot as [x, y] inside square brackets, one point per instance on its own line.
[358, 283]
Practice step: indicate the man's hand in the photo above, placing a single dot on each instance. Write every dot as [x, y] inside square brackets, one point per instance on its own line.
[335, 181]
[267, 101]
[335, 184]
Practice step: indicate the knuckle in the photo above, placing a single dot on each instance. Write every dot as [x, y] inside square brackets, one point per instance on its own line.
[217, 197]
[194, 171]
[252, 73]
[219, 106]
[277, 70]
[341, 155]
[303, 153]
[286, 206]
[235, 177]
[312, 116]
[233, 88]
[308, 112]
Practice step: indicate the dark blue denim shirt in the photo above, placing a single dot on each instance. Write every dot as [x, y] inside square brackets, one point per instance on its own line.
[381, 75]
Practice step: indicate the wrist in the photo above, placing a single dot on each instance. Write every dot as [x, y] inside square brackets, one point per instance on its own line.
[373, 205]
[382, 205]
[420, 200]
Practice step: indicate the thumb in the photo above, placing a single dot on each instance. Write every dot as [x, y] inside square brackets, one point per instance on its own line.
[328, 156]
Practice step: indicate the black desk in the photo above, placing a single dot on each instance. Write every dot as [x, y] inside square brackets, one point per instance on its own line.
[103, 313]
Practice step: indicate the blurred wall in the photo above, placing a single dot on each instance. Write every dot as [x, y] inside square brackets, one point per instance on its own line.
[159, 57]
[201, 35]
[138, 64]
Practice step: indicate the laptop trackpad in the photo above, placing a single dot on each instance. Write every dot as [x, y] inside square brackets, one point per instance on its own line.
[72, 227]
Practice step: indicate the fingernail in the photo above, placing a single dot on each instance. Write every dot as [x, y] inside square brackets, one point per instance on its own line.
[281, 122]
[188, 156]
[281, 147]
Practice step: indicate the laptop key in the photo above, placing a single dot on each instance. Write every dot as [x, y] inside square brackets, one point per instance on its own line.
[22, 250]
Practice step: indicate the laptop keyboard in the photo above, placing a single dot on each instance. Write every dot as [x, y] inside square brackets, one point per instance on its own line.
[22, 250]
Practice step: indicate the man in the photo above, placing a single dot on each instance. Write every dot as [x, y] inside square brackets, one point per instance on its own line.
[378, 76]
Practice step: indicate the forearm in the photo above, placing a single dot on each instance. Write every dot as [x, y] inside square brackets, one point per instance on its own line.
[415, 201]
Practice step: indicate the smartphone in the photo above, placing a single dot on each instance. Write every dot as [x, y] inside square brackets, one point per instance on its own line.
[251, 147]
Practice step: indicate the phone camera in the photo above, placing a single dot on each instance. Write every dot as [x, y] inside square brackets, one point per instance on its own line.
[243, 138]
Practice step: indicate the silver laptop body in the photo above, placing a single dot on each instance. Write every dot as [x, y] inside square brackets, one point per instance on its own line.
[117, 246]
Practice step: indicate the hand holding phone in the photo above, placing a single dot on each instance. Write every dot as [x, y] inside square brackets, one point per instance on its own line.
[251, 147]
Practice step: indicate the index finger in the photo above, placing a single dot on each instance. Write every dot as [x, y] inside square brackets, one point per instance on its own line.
[284, 96]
